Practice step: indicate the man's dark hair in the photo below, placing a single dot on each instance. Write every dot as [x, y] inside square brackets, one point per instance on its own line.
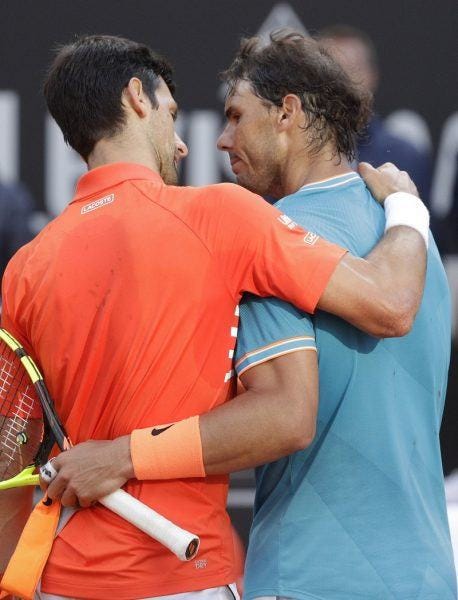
[289, 63]
[85, 82]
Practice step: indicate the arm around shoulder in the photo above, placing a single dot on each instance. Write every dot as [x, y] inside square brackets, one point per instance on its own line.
[381, 294]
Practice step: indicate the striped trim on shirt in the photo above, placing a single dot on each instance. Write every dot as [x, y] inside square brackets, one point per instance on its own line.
[266, 353]
[332, 182]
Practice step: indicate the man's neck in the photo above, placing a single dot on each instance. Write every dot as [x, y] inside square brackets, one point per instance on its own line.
[112, 151]
[319, 168]
[319, 174]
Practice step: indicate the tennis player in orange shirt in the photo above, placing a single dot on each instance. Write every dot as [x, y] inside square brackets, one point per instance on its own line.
[129, 299]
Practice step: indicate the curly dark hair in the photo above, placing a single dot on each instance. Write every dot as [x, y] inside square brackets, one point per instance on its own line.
[336, 109]
[84, 85]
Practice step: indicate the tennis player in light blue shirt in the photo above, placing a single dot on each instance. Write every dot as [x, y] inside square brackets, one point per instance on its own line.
[358, 511]
[361, 512]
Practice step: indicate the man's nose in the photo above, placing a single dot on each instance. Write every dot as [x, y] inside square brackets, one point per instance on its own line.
[224, 141]
[181, 147]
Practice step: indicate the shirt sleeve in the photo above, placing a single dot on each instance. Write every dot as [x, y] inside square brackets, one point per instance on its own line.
[269, 328]
[262, 251]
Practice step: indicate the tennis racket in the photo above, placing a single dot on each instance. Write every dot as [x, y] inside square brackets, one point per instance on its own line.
[29, 428]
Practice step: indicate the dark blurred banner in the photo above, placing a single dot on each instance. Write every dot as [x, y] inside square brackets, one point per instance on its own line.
[416, 43]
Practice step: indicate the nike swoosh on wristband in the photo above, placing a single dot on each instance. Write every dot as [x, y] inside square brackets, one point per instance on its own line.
[158, 431]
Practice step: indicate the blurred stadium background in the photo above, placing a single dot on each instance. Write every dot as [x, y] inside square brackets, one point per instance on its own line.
[417, 98]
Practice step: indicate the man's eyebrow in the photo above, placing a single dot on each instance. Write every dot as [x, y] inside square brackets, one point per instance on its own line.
[229, 112]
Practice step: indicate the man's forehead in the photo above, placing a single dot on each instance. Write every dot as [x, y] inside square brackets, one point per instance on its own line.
[163, 91]
[241, 93]
[162, 87]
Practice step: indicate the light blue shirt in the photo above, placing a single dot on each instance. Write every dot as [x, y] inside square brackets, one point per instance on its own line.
[361, 513]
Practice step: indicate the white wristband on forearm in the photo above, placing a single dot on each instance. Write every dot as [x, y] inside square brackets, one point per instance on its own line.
[406, 209]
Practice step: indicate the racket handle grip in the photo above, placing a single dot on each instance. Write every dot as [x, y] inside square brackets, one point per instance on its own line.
[182, 543]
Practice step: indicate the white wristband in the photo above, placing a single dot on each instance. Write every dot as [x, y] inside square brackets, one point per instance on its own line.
[402, 208]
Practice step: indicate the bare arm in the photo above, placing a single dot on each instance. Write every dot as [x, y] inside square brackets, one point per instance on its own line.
[274, 417]
[381, 294]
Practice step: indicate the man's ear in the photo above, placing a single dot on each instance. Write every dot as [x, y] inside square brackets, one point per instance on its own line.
[290, 112]
[134, 97]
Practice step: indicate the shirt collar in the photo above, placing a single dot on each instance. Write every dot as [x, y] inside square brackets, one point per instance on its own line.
[101, 178]
[332, 181]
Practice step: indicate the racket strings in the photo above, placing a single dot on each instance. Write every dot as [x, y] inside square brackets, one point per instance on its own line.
[20, 433]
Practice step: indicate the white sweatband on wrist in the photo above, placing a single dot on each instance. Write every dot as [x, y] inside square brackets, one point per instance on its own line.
[406, 209]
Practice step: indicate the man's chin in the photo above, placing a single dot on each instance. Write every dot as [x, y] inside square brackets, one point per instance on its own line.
[171, 176]
[249, 185]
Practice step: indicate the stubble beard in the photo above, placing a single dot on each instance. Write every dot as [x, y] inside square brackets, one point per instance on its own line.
[170, 176]
[265, 181]
[169, 169]
[265, 176]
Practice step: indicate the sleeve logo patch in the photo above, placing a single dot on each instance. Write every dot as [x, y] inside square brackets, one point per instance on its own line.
[285, 220]
[97, 204]
[311, 238]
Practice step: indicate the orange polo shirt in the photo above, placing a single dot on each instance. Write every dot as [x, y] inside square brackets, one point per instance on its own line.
[128, 300]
